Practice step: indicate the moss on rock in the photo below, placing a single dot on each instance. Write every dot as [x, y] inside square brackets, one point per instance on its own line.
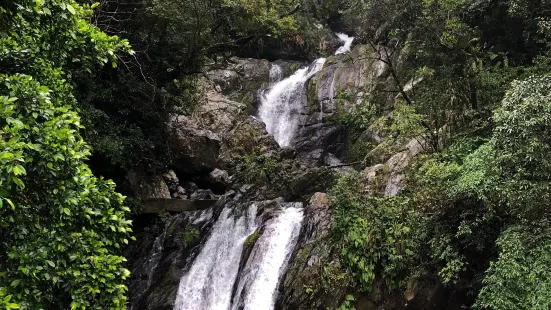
[191, 235]
[251, 241]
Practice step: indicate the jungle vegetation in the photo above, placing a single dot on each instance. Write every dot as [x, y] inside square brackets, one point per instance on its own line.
[86, 88]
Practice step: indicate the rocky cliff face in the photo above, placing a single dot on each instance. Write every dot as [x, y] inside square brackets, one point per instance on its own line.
[222, 149]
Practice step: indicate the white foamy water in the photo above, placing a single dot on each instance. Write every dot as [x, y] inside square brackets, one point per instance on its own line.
[267, 263]
[282, 104]
[347, 43]
[208, 285]
[210, 282]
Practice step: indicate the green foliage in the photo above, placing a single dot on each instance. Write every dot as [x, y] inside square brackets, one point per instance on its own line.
[403, 126]
[348, 303]
[191, 235]
[520, 278]
[43, 36]
[65, 229]
[373, 233]
[481, 197]
[210, 27]
[361, 118]
[492, 195]
[62, 229]
[259, 168]
[512, 169]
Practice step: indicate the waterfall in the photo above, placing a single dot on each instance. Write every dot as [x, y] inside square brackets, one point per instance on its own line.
[281, 105]
[347, 43]
[210, 282]
[268, 260]
[345, 48]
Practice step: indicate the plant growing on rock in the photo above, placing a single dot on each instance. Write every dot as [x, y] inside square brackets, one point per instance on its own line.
[373, 234]
[190, 236]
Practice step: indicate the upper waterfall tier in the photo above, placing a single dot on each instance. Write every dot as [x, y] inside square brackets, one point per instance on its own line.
[282, 104]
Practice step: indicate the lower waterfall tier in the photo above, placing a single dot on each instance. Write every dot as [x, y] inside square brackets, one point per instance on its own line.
[215, 280]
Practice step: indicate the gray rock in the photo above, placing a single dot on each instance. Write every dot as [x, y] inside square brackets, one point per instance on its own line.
[194, 149]
[238, 78]
[180, 193]
[190, 187]
[171, 180]
[158, 259]
[220, 176]
[333, 162]
[319, 199]
[218, 113]
[245, 188]
[147, 186]
[203, 194]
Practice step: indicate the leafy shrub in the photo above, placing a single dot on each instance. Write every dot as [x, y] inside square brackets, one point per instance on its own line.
[520, 278]
[62, 229]
[373, 233]
[191, 235]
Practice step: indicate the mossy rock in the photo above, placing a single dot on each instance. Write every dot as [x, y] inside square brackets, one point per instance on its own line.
[171, 228]
[330, 59]
[312, 95]
[248, 247]
[164, 292]
[251, 241]
[190, 236]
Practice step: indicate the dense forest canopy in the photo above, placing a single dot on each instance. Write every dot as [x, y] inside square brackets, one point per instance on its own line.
[86, 89]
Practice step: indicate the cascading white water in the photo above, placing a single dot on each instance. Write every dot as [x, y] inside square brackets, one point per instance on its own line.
[209, 283]
[347, 43]
[268, 260]
[345, 48]
[281, 105]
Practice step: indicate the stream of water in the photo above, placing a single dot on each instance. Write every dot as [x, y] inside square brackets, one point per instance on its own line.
[347, 43]
[208, 285]
[210, 282]
[282, 104]
[268, 260]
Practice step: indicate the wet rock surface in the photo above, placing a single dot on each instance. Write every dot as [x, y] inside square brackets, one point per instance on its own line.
[146, 185]
[303, 286]
[159, 257]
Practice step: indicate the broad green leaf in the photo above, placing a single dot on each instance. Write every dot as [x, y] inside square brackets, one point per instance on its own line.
[71, 9]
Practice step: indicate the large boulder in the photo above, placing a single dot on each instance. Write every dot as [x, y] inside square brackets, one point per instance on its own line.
[194, 149]
[218, 113]
[238, 78]
[145, 185]
[389, 178]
